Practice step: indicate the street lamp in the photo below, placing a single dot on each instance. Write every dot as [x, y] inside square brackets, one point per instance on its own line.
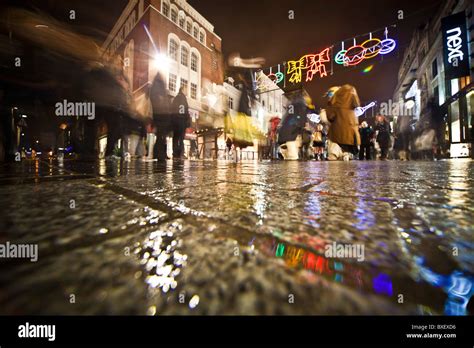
[161, 62]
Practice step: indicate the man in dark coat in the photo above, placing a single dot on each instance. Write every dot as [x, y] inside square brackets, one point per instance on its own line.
[294, 121]
[179, 122]
[383, 135]
[161, 116]
[366, 134]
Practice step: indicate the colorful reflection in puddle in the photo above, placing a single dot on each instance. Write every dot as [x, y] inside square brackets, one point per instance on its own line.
[457, 287]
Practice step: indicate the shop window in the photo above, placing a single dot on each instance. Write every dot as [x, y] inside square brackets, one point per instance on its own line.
[454, 86]
[470, 115]
[455, 123]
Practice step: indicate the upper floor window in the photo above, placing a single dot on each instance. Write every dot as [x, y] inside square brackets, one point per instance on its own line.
[184, 56]
[173, 50]
[201, 37]
[195, 32]
[165, 9]
[194, 62]
[181, 22]
[172, 83]
[174, 15]
[193, 90]
[188, 27]
[434, 68]
[184, 84]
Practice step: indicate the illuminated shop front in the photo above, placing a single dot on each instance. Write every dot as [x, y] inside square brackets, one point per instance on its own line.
[459, 103]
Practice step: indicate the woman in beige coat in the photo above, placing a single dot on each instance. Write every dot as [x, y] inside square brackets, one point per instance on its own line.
[343, 132]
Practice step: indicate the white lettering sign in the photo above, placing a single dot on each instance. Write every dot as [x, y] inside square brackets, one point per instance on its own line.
[454, 44]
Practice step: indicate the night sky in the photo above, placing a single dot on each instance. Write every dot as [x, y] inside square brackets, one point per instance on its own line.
[261, 28]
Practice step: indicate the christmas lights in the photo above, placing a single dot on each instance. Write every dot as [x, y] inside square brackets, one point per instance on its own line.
[313, 63]
[367, 50]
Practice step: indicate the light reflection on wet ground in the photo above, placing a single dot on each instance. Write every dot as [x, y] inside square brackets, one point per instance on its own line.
[191, 237]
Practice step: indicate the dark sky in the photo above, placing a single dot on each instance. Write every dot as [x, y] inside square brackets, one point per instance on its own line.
[261, 28]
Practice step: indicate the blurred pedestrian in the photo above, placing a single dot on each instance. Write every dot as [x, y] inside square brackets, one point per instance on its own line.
[343, 133]
[180, 121]
[161, 116]
[366, 139]
[383, 131]
[292, 126]
[319, 142]
[306, 142]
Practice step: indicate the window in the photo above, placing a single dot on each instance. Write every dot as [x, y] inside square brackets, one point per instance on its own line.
[455, 122]
[165, 9]
[201, 37]
[436, 94]
[184, 83]
[173, 50]
[193, 90]
[181, 22]
[174, 15]
[434, 68]
[172, 83]
[195, 32]
[231, 103]
[188, 27]
[184, 56]
[194, 62]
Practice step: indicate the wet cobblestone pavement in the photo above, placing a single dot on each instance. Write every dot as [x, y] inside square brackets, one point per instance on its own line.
[191, 237]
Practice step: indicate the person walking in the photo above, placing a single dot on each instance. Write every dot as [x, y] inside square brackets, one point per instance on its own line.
[366, 137]
[319, 142]
[383, 131]
[161, 116]
[343, 132]
[180, 121]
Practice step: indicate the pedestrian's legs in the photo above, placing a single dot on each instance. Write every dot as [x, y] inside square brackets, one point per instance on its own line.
[367, 152]
[112, 138]
[178, 139]
[159, 150]
[383, 154]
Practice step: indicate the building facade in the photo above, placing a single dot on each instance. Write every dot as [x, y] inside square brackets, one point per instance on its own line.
[171, 38]
[436, 99]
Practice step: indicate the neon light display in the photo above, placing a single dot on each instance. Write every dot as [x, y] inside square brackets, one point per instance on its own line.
[359, 111]
[313, 63]
[305, 68]
[368, 49]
